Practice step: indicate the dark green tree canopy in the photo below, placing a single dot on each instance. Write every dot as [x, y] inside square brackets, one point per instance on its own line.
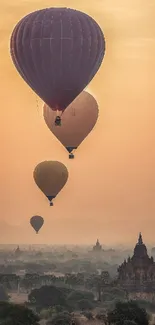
[85, 304]
[64, 318]
[128, 311]
[78, 295]
[3, 294]
[13, 314]
[129, 322]
[47, 296]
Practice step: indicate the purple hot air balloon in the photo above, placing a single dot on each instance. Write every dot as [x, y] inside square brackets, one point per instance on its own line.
[57, 51]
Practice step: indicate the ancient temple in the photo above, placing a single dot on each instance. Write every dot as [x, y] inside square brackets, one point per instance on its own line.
[97, 247]
[137, 273]
[17, 252]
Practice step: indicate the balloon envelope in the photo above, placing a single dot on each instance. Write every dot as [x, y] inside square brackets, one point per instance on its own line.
[50, 177]
[57, 51]
[36, 222]
[77, 121]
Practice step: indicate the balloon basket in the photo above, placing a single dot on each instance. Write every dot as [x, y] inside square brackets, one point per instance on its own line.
[71, 156]
[51, 204]
[58, 121]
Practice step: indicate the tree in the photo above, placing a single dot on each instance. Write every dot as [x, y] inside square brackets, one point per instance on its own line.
[6, 322]
[51, 312]
[78, 295]
[63, 318]
[46, 313]
[113, 294]
[99, 282]
[60, 319]
[117, 292]
[88, 315]
[84, 304]
[129, 322]
[70, 279]
[13, 314]
[3, 295]
[47, 296]
[74, 279]
[102, 317]
[9, 281]
[58, 308]
[128, 311]
[148, 305]
[75, 296]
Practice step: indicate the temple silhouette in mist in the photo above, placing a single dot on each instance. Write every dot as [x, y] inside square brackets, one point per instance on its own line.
[137, 273]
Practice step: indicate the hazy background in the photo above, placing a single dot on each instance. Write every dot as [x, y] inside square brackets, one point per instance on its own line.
[111, 189]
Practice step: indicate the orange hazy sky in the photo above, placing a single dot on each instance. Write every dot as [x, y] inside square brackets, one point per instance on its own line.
[110, 193]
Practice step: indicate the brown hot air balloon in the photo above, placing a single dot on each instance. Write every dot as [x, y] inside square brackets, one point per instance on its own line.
[37, 222]
[50, 177]
[77, 121]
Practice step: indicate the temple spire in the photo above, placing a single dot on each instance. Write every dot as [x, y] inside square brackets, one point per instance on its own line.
[140, 240]
[97, 246]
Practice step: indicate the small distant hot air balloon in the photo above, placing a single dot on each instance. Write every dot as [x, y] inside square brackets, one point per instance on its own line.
[78, 121]
[57, 51]
[36, 222]
[50, 177]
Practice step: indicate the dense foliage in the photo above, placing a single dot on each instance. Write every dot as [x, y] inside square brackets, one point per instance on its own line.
[128, 311]
[13, 314]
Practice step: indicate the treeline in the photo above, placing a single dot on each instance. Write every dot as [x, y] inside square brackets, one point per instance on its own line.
[61, 305]
[64, 266]
[124, 313]
[32, 280]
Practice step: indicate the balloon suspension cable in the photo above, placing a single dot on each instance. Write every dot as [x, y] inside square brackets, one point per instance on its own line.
[36, 232]
[37, 105]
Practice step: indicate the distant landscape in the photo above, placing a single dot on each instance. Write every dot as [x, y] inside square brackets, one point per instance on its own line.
[71, 284]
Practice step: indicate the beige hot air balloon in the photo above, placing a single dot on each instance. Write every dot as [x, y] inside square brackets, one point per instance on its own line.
[50, 177]
[77, 121]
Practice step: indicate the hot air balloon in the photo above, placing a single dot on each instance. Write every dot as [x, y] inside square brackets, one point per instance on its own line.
[36, 222]
[57, 51]
[77, 121]
[50, 177]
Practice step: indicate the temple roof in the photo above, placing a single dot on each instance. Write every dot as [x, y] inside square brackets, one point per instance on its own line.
[97, 243]
[140, 240]
[97, 246]
[140, 249]
[138, 269]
